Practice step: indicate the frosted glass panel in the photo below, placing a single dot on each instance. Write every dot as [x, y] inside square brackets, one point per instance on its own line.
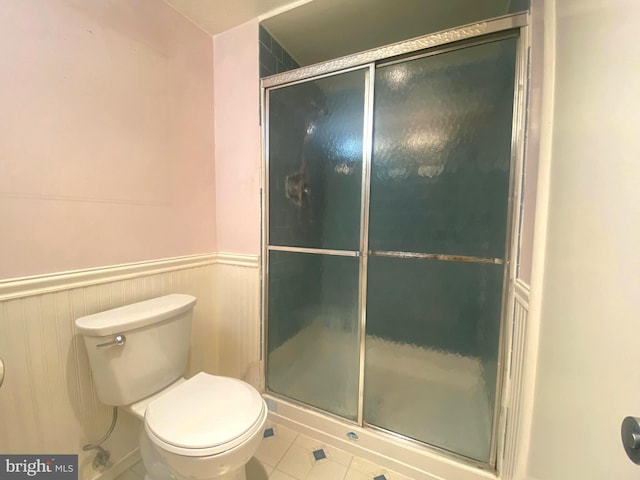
[440, 179]
[442, 137]
[313, 330]
[432, 331]
[315, 162]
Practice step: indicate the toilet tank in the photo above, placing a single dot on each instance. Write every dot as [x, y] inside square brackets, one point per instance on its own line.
[137, 350]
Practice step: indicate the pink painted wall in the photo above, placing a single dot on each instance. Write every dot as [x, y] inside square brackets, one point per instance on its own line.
[107, 145]
[237, 130]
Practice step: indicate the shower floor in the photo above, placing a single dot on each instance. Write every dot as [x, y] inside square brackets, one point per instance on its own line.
[432, 396]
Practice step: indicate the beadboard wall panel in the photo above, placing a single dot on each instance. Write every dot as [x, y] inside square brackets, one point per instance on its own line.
[48, 403]
[520, 308]
[237, 314]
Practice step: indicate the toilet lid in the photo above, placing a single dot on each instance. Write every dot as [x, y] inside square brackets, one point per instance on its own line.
[205, 415]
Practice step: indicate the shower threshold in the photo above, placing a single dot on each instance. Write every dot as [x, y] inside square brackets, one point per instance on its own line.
[454, 404]
[404, 456]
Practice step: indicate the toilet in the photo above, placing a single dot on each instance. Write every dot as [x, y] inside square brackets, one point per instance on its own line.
[204, 427]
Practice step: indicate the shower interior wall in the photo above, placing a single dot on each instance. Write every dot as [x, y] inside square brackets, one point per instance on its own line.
[312, 224]
[273, 57]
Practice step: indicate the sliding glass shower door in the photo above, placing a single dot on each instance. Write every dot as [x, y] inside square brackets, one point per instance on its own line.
[388, 206]
[437, 231]
[315, 180]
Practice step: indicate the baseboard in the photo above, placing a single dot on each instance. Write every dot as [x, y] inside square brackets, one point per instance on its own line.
[120, 467]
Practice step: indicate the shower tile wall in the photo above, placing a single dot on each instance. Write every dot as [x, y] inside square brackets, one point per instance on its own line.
[297, 285]
[273, 58]
[297, 271]
[461, 188]
[516, 6]
[329, 160]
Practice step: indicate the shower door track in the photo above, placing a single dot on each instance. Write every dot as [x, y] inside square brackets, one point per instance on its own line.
[426, 42]
[369, 60]
[348, 424]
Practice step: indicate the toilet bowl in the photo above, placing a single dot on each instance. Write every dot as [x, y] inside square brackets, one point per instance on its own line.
[205, 427]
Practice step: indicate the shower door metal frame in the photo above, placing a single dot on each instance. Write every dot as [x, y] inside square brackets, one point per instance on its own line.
[431, 44]
[367, 146]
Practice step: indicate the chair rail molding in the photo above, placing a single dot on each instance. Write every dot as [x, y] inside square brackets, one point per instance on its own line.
[40, 284]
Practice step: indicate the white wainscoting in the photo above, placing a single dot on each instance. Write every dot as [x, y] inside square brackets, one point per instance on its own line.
[513, 400]
[237, 313]
[48, 403]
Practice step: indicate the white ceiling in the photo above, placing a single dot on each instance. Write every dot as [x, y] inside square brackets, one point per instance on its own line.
[216, 16]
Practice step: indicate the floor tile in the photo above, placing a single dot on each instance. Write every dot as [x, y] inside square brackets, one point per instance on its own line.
[273, 448]
[319, 454]
[324, 470]
[128, 475]
[361, 469]
[357, 475]
[332, 453]
[257, 470]
[396, 476]
[297, 462]
[288, 455]
[280, 431]
[278, 475]
[138, 469]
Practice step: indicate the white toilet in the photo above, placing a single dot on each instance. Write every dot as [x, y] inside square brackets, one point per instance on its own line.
[206, 427]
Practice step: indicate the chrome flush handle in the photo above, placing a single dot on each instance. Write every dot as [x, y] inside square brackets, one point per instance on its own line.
[630, 432]
[118, 341]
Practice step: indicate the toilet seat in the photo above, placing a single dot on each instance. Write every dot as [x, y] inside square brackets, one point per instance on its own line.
[206, 415]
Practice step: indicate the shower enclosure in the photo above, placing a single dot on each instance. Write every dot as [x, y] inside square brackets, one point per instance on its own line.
[389, 183]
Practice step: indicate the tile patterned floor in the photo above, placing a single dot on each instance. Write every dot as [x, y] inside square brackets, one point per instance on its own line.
[285, 454]
[136, 472]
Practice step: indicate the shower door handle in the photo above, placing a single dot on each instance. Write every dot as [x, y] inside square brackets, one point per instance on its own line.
[1, 372]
